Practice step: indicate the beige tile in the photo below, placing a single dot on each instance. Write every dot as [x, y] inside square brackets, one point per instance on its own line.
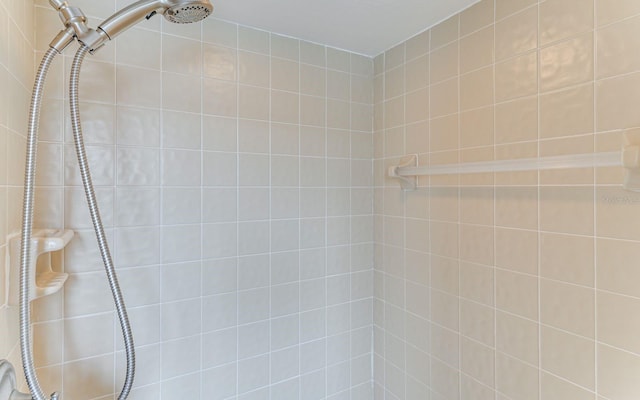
[567, 210]
[251, 69]
[443, 204]
[477, 127]
[393, 82]
[445, 274]
[285, 47]
[338, 84]
[95, 373]
[417, 235]
[567, 307]
[445, 32]
[517, 120]
[394, 143]
[312, 111]
[48, 340]
[616, 48]
[617, 268]
[618, 320]
[285, 75]
[472, 389]
[476, 89]
[517, 337]
[378, 63]
[560, 19]
[476, 205]
[517, 207]
[517, 34]
[615, 213]
[444, 63]
[553, 388]
[444, 134]
[477, 360]
[394, 112]
[476, 283]
[516, 379]
[219, 62]
[476, 17]
[477, 154]
[568, 112]
[508, 7]
[417, 73]
[394, 57]
[567, 63]
[219, 98]
[571, 176]
[615, 98]
[4, 268]
[445, 310]
[568, 356]
[445, 345]
[418, 45]
[567, 258]
[477, 50]
[609, 141]
[517, 293]
[476, 244]
[517, 250]
[477, 322]
[517, 77]
[417, 106]
[284, 109]
[609, 11]
[445, 381]
[253, 102]
[253, 40]
[417, 137]
[617, 373]
[313, 81]
[444, 239]
[446, 156]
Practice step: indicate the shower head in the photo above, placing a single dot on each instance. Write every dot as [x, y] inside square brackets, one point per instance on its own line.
[178, 11]
[188, 11]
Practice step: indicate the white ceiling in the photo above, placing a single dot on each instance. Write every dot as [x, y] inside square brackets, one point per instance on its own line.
[367, 27]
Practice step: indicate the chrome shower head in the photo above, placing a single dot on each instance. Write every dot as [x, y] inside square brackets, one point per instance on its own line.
[189, 11]
[178, 11]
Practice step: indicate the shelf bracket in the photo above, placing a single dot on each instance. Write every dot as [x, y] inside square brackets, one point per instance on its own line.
[407, 183]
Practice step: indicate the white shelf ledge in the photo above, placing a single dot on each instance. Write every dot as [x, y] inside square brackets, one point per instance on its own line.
[43, 280]
[407, 171]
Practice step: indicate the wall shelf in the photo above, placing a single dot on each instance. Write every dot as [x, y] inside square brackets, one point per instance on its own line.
[43, 280]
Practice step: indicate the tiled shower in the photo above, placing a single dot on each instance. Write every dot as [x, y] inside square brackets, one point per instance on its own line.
[262, 251]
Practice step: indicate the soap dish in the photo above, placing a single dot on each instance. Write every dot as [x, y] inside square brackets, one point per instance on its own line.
[43, 280]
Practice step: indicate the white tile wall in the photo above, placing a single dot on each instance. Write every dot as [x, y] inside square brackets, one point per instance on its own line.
[234, 171]
[507, 286]
[17, 41]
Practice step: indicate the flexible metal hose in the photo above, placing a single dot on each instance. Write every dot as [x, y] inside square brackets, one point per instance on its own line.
[27, 224]
[97, 222]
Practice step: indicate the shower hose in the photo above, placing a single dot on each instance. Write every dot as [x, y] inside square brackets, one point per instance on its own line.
[27, 224]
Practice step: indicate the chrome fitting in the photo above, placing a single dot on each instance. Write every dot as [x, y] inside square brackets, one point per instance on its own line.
[58, 4]
[63, 39]
[75, 18]
[94, 39]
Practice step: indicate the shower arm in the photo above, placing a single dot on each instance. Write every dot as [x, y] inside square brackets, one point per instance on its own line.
[76, 27]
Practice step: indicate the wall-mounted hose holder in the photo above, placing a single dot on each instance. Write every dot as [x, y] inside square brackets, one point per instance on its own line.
[43, 279]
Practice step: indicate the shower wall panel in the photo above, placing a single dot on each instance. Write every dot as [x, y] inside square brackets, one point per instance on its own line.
[17, 41]
[234, 172]
[510, 285]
